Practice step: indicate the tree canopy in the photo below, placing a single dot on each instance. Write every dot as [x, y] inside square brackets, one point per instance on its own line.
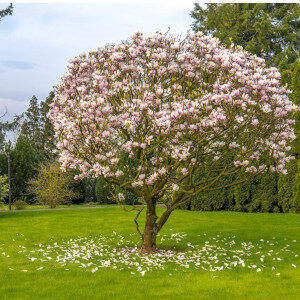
[7, 11]
[36, 127]
[173, 107]
[269, 30]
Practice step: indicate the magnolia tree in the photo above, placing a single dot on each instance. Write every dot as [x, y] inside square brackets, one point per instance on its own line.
[173, 108]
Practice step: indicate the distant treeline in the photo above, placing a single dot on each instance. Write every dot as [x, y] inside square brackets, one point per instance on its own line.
[271, 31]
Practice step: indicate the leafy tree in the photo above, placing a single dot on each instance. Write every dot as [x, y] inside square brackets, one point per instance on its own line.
[288, 186]
[264, 193]
[215, 200]
[279, 40]
[3, 163]
[52, 186]
[89, 185]
[47, 130]
[24, 161]
[31, 126]
[3, 187]
[7, 11]
[37, 128]
[174, 108]
[269, 30]
[5, 127]
[103, 191]
[296, 190]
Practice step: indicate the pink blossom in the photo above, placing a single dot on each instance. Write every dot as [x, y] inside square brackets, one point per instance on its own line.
[121, 197]
[184, 171]
[148, 102]
[175, 187]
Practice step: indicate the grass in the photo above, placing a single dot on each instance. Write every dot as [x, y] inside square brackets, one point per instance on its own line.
[54, 281]
[40, 206]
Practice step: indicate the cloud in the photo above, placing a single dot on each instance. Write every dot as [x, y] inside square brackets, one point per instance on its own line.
[37, 39]
[17, 64]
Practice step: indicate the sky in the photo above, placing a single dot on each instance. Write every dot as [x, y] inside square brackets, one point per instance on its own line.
[38, 39]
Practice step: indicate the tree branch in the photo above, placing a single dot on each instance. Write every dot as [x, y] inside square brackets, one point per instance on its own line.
[136, 222]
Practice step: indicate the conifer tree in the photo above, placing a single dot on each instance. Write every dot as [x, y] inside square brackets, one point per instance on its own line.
[269, 30]
[47, 129]
[31, 126]
[24, 161]
[7, 11]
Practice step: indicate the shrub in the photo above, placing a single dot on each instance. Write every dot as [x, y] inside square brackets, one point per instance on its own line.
[52, 186]
[20, 205]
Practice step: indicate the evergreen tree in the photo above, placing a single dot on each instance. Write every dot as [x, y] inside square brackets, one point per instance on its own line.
[3, 187]
[289, 185]
[272, 32]
[296, 190]
[286, 200]
[37, 128]
[269, 30]
[264, 193]
[47, 129]
[7, 11]
[242, 195]
[24, 163]
[31, 126]
[103, 191]
[8, 126]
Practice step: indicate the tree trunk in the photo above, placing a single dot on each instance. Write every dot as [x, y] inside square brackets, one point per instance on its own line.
[150, 232]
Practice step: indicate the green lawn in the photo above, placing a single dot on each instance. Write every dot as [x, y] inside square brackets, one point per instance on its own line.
[25, 231]
[40, 206]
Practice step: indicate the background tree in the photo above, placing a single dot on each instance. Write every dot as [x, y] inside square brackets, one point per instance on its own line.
[31, 126]
[269, 30]
[241, 23]
[52, 186]
[37, 128]
[7, 11]
[288, 186]
[6, 127]
[24, 163]
[34, 144]
[47, 130]
[174, 108]
[3, 187]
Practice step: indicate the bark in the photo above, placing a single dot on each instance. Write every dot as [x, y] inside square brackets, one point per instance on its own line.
[150, 231]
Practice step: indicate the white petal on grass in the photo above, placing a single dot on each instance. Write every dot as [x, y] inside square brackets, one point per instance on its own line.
[215, 254]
